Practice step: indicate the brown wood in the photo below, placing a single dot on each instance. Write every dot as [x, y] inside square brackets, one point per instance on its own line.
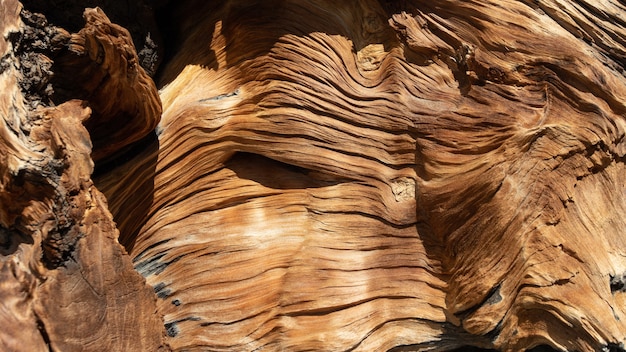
[67, 284]
[316, 175]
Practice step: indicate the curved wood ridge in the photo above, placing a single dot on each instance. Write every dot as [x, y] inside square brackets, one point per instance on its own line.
[123, 97]
[361, 175]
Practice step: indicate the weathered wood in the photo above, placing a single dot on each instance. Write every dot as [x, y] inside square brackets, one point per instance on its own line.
[363, 175]
[67, 284]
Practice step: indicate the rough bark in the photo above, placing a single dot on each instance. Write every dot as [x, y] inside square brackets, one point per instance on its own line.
[321, 175]
[67, 284]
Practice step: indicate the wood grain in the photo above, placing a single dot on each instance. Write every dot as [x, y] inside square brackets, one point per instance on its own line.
[369, 177]
[330, 176]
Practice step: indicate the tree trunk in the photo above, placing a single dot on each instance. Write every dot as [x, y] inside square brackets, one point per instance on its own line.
[362, 175]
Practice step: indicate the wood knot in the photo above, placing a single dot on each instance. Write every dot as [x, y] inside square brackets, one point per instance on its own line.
[371, 57]
[403, 189]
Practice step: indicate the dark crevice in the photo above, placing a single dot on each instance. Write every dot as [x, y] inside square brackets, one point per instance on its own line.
[59, 246]
[44, 333]
[154, 265]
[542, 348]
[492, 297]
[617, 283]
[614, 347]
[472, 349]
[454, 339]
[11, 238]
[277, 174]
[322, 311]
[172, 329]
[169, 32]
[125, 155]
[162, 291]
[5, 62]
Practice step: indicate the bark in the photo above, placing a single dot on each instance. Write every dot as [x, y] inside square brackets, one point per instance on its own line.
[67, 284]
[314, 175]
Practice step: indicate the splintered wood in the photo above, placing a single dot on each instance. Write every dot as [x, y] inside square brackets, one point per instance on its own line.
[66, 284]
[321, 176]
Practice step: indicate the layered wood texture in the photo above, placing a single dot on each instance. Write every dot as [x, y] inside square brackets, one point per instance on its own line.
[66, 284]
[371, 175]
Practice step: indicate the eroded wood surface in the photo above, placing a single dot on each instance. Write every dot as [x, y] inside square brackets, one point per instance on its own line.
[67, 284]
[365, 175]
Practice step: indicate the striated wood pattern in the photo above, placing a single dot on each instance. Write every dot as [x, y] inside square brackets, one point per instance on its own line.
[366, 176]
[342, 175]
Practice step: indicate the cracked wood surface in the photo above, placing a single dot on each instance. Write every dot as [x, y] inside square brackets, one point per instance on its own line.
[364, 175]
[66, 283]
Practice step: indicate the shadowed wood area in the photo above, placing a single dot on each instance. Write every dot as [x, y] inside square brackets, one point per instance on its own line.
[66, 284]
[361, 175]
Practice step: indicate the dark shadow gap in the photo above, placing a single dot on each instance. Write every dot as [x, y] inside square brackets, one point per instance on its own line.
[278, 175]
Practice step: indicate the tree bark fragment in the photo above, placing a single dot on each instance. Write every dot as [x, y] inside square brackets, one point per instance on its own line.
[67, 284]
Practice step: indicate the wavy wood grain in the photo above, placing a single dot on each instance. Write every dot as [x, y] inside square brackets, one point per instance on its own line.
[365, 176]
[360, 176]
